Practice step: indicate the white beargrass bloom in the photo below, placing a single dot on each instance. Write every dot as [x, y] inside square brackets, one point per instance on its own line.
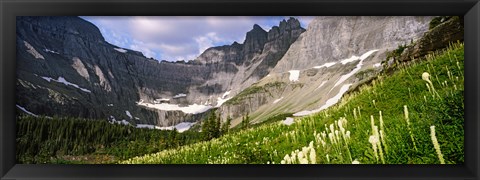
[436, 145]
[328, 159]
[405, 112]
[426, 76]
[331, 137]
[372, 122]
[332, 129]
[355, 113]
[313, 156]
[374, 140]
[337, 135]
[355, 162]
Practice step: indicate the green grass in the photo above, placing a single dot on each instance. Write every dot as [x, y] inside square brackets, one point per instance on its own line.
[270, 143]
[254, 89]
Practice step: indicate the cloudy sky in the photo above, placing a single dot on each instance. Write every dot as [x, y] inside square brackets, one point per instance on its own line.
[180, 38]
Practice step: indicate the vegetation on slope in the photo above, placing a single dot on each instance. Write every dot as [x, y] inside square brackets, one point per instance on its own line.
[397, 119]
[69, 140]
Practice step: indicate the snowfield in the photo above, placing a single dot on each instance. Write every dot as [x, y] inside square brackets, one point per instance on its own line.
[181, 127]
[50, 51]
[190, 109]
[330, 102]
[179, 95]
[325, 65]
[120, 50]
[294, 74]
[128, 114]
[25, 110]
[277, 100]
[64, 81]
[359, 66]
[288, 121]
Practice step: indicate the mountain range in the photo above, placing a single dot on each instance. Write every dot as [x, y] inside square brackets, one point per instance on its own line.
[66, 68]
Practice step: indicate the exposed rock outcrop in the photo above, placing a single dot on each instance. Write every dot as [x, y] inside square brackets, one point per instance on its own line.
[66, 68]
[327, 58]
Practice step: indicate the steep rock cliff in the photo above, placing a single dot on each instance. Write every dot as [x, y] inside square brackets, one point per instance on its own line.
[66, 68]
[325, 62]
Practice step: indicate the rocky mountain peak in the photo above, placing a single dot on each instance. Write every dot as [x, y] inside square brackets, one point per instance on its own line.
[62, 26]
[290, 24]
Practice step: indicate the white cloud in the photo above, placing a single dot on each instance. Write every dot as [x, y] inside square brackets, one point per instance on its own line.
[179, 37]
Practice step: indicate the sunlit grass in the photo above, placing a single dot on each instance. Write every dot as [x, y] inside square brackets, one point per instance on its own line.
[388, 121]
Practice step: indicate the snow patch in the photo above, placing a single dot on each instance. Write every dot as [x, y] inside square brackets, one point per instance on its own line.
[50, 51]
[288, 121]
[277, 100]
[64, 81]
[128, 114]
[25, 110]
[377, 65]
[365, 55]
[325, 65]
[323, 83]
[221, 100]
[359, 66]
[112, 120]
[225, 94]
[351, 59]
[109, 105]
[294, 74]
[330, 102]
[190, 109]
[158, 101]
[179, 95]
[120, 50]
[181, 127]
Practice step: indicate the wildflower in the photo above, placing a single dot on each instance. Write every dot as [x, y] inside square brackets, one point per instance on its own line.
[428, 87]
[426, 76]
[282, 162]
[376, 134]
[355, 162]
[374, 140]
[405, 109]
[328, 159]
[372, 122]
[355, 113]
[331, 137]
[436, 145]
[313, 156]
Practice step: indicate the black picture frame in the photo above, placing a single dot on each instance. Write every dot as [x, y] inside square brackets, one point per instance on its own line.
[9, 9]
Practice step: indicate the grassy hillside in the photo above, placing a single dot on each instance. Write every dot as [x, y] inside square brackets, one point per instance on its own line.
[389, 121]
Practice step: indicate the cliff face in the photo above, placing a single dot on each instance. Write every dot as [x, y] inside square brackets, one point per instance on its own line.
[333, 56]
[66, 68]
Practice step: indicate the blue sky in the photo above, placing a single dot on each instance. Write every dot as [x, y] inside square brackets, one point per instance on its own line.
[174, 38]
